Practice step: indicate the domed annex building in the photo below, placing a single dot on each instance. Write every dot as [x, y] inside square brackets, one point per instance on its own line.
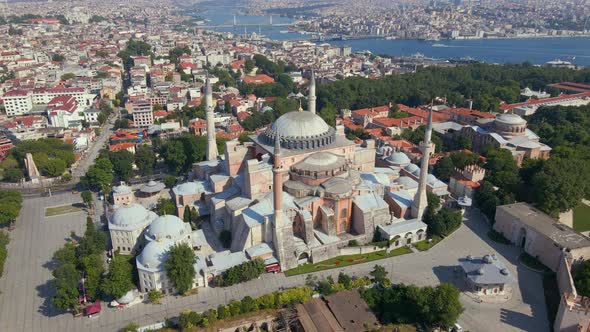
[164, 232]
[126, 226]
[506, 131]
[297, 192]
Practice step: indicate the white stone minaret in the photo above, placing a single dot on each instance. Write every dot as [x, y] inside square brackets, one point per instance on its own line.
[279, 240]
[420, 201]
[211, 144]
[311, 97]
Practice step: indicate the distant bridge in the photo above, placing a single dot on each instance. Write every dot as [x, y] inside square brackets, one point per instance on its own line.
[244, 25]
[238, 25]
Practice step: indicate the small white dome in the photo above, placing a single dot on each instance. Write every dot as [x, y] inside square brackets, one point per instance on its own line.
[513, 119]
[154, 254]
[122, 189]
[165, 227]
[130, 215]
[399, 158]
[190, 188]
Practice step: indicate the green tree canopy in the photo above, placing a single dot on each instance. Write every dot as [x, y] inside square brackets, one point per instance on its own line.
[119, 279]
[180, 267]
[10, 205]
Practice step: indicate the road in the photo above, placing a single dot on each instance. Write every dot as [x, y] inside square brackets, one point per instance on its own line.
[91, 154]
[26, 290]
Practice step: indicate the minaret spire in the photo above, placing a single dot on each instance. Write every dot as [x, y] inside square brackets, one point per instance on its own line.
[278, 222]
[311, 97]
[420, 199]
[212, 152]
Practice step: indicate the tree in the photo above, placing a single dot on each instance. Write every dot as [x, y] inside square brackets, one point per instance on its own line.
[100, 175]
[379, 274]
[154, 296]
[186, 217]
[174, 156]
[67, 76]
[102, 118]
[4, 240]
[93, 267]
[180, 267]
[10, 205]
[122, 162]
[165, 206]
[169, 181]
[121, 123]
[444, 305]
[444, 168]
[119, 279]
[66, 286]
[93, 241]
[582, 278]
[87, 198]
[248, 66]
[13, 175]
[145, 159]
[58, 58]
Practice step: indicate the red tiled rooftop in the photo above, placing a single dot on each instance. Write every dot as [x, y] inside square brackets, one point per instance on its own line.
[258, 79]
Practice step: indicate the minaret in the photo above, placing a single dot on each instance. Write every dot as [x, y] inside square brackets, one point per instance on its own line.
[420, 201]
[211, 144]
[277, 188]
[311, 97]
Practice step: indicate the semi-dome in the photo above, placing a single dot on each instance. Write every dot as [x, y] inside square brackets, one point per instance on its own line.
[510, 119]
[300, 130]
[130, 215]
[165, 227]
[399, 158]
[154, 254]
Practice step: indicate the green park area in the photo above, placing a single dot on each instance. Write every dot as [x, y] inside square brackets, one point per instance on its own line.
[63, 209]
[346, 260]
[582, 218]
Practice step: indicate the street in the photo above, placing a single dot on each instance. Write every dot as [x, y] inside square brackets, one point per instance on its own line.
[26, 291]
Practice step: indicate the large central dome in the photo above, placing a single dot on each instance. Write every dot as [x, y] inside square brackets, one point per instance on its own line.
[300, 124]
[300, 130]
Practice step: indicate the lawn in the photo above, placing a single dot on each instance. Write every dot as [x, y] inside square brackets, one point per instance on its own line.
[582, 218]
[425, 245]
[62, 209]
[347, 260]
[532, 263]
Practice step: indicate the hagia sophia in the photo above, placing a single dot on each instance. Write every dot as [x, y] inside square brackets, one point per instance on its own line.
[297, 192]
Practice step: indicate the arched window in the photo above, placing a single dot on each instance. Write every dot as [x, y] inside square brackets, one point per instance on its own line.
[343, 213]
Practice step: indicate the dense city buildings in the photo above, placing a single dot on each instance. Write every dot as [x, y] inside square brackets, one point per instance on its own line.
[292, 165]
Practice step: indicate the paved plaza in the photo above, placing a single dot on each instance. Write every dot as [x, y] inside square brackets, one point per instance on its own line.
[26, 291]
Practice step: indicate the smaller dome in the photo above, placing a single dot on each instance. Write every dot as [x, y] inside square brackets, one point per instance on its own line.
[130, 215]
[480, 271]
[122, 189]
[190, 188]
[487, 259]
[154, 254]
[128, 297]
[411, 168]
[504, 271]
[399, 158]
[512, 119]
[469, 257]
[165, 227]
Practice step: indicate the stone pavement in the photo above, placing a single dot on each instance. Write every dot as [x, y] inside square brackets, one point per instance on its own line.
[25, 299]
